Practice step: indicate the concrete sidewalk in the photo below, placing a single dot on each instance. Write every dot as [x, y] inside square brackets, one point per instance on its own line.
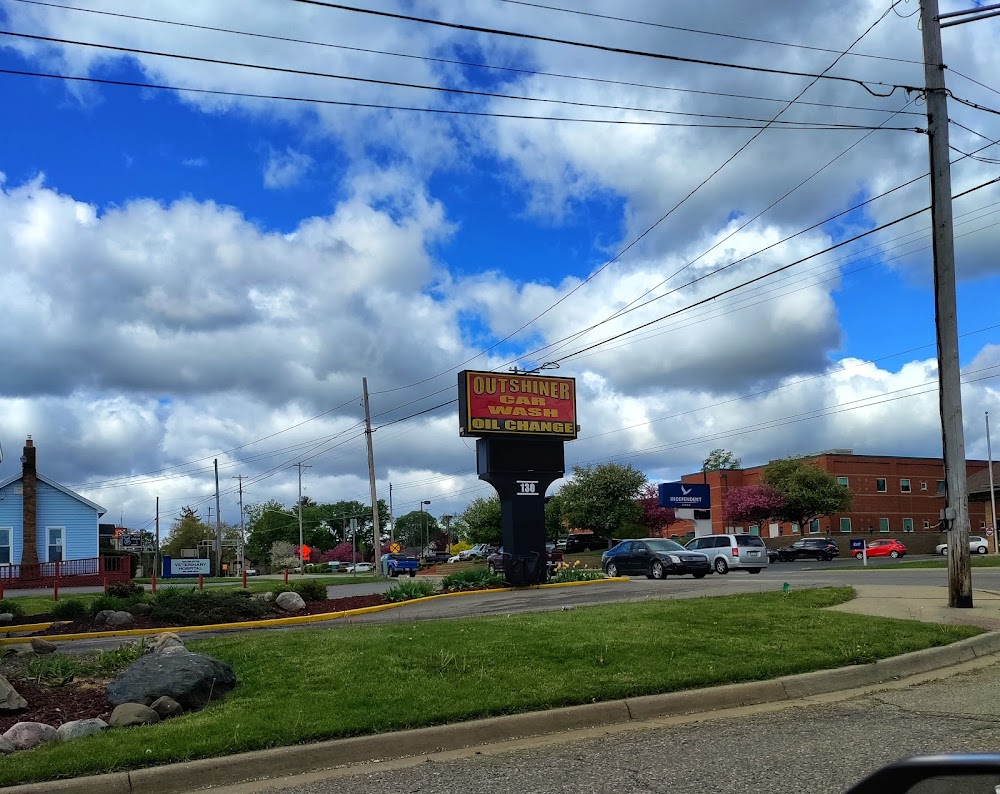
[927, 603]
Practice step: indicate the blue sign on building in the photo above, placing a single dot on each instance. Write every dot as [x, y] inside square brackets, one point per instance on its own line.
[679, 494]
[857, 544]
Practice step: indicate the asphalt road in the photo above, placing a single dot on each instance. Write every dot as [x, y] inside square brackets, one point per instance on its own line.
[814, 747]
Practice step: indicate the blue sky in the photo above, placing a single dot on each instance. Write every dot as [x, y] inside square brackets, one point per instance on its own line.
[192, 277]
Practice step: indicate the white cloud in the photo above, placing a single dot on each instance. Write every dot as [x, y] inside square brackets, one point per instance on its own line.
[286, 169]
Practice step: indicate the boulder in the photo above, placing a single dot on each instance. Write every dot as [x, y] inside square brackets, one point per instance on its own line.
[77, 728]
[290, 602]
[267, 595]
[119, 619]
[6, 748]
[10, 700]
[25, 735]
[161, 642]
[40, 646]
[172, 650]
[167, 707]
[192, 679]
[6, 618]
[129, 714]
[140, 609]
[103, 615]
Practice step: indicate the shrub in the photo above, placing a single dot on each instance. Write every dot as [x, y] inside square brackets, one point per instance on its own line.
[103, 602]
[457, 548]
[70, 609]
[125, 590]
[466, 580]
[309, 589]
[199, 608]
[11, 607]
[407, 591]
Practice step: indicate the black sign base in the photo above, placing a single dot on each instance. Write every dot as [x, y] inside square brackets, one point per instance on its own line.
[521, 470]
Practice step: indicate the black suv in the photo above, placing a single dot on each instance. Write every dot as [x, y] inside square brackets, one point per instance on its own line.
[585, 541]
[812, 548]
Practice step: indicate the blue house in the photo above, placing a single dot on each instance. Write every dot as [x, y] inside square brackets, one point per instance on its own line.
[42, 522]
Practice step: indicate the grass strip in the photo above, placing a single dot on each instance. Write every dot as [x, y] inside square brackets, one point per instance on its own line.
[978, 561]
[302, 686]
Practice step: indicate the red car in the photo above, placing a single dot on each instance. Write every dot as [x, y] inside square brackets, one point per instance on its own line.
[883, 548]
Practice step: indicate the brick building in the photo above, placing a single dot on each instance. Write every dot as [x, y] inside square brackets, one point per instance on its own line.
[893, 496]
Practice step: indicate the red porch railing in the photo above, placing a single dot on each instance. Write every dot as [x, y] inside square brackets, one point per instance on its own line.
[93, 571]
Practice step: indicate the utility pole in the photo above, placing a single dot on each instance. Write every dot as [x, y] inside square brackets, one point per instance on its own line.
[218, 524]
[955, 517]
[392, 517]
[377, 530]
[242, 532]
[993, 495]
[156, 550]
[302, 562]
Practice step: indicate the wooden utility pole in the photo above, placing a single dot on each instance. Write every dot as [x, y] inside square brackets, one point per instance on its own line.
[371, 480]
[302, 561]
[955, 518]
[242, 554]
[218, 524]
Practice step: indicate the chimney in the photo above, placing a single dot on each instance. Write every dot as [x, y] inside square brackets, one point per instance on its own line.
[29, 497]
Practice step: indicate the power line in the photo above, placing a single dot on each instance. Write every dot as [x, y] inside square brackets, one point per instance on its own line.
[467, 64]
[972, 80]
[605, 48]
[701, 32]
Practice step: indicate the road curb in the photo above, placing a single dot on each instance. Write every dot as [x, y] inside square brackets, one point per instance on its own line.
[303, 758]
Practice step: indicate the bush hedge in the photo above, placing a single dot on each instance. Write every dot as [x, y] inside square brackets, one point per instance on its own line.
[70, 609]
[11, 607]
[125, 590]
[476, 578]
[407, 591]
[103, 602]
[309, 589]
[183, 607]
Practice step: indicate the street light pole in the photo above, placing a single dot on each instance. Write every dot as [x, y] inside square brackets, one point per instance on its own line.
[423, 527]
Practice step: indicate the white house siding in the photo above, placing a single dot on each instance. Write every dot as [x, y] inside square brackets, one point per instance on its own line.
[57, 509]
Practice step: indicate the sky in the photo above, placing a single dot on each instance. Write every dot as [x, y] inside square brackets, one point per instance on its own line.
[209, 273]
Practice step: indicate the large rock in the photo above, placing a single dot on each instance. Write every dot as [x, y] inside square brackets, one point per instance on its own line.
[6, 748]
[40, 646]
[290, 602]
[192, 679]
[173, 650]
[25, 735]
[103, 615]
[141, 608]
[160, 642]
[119, 619]
[77, 728]
[128, 715]
[167, 707]
[10, 700]
[6, 618]
[267, 595]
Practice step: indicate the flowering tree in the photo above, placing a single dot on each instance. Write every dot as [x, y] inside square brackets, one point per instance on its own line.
[283, 555]
[654, 517]
[752, 504]
[342, 552]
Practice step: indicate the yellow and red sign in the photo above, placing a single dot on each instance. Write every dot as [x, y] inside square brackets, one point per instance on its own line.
[528, 405]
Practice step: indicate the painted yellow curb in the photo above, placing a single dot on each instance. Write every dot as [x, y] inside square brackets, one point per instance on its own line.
[23, 627]
[289, 621]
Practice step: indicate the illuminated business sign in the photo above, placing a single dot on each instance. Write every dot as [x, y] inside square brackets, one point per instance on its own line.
[490, 403]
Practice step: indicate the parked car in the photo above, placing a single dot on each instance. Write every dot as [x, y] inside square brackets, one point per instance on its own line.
[479, 552]
[396, 564]
[888, 547]
[585, 541]
[811, 548]
[455, 558]
[360, 567]
[436, 556]
[655, 558]
[737, 552]
[553, 557]
[977, 545]
[773, 555]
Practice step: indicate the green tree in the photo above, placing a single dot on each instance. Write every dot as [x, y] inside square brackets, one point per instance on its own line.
[415, 528]
[482, 520]
[554, 526]
[266, 524]
[186, 532]
[603, 499]
[808, 491]
[721, 460]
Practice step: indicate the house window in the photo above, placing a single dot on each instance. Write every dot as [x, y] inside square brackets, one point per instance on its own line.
[880, 484]
[927, 524]
[754, 529]
[883, 525]
[55, 545]
[814, 526]
[904, 486]
[907, 525]
[842, 481]
[845, 524]
[5, 536]
[982, 525]
[940, 487]
[795, 529]
[923, 486]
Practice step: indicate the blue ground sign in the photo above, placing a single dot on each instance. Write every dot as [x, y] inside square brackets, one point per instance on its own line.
[680, 494]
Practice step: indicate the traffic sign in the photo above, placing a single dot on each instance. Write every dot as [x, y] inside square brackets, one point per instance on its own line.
[395, 547]
[989, 532]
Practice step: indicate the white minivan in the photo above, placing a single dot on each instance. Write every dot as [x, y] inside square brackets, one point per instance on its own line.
[738, 552]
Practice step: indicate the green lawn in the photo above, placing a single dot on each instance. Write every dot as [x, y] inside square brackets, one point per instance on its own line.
[978, 561]
[313, 684]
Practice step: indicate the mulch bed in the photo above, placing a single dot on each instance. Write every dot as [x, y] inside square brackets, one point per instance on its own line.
[54, 705]
[84, 625]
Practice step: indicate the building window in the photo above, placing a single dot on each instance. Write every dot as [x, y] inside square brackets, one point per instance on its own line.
[927, 524]
[904, 486]
[5, 536]
[883, 525]
[814, 526]
[940, 487]
[880, 484]
[55, 545]
[845, 524]
[982, 525]
[754, 529]
[795, 529]
[923, 486]
[842, 481]
[907, 525]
